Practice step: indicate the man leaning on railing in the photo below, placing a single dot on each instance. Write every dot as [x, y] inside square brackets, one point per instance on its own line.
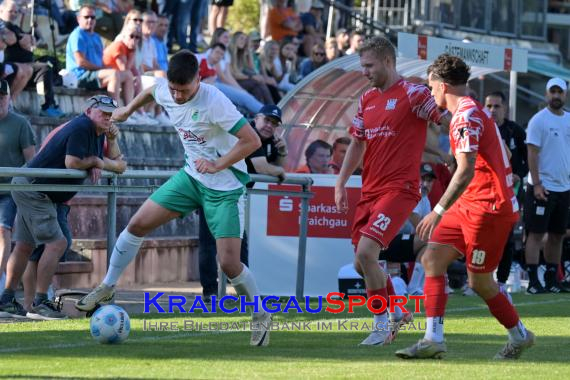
[78, 145]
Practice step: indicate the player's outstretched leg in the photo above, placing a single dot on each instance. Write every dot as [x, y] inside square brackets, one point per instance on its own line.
[125, 250]
[503, 310]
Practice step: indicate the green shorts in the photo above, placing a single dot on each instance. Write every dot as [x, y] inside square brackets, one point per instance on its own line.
[224, 210]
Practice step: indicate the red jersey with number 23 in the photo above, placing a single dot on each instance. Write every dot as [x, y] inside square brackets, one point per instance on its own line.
[393, 123]
[491, 189]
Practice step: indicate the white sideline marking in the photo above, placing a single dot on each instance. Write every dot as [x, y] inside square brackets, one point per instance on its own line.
[198, 334]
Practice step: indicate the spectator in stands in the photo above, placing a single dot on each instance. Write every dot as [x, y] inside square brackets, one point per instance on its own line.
[548, 195]
[514, 137]
[120, 55]
[356, 41]
[84, 57]
[16, 74]
[110, 19]
[267, 57]
[78, 145]
[243, 70]
[283, 21]
[317, 59]
[317, 157]
[21, 52]
[312, 32]
[18, 147]
[219, 13]
[226, 82]
[285, 66]
[160, 42]
[209, 61]
[339, 148]
[331, 49]
[342, 41]
[254, 46]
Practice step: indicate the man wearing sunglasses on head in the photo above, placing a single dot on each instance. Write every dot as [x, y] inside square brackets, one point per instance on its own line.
[84, 57]
[79, 144]
[216, 140]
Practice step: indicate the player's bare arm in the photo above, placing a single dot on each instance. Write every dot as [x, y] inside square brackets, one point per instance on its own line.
[351, 161]
[539, 191]
[459, 182]
[145, 97]
[248, 142]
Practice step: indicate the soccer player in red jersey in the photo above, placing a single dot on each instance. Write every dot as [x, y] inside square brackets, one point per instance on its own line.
[388, 135]
[473, 217]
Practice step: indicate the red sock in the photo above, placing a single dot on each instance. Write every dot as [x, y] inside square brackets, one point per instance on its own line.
[389, 286]
[377, 304]
[436, 297]
[503, 310]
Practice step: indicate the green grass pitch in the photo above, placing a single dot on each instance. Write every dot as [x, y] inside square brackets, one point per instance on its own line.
[64, 349]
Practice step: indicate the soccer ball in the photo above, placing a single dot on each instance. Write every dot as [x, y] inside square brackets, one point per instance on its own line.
[110, 324]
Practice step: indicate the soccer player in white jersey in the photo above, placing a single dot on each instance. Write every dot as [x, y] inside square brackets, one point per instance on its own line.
[216, 140]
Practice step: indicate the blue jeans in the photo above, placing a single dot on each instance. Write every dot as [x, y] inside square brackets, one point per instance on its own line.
[188, 14]
[240, 98]
[7, 211]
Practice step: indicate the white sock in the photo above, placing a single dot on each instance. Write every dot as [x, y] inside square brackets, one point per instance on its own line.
[517, 333]
[245, 285]
[418, 277]
[434, 329]
[126, 248]
[380, 322]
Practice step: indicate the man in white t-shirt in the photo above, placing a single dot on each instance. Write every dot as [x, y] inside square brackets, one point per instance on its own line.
[548, 194]
[216, 140]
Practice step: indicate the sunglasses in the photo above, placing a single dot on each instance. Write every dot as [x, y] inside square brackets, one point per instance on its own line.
[89, 17]
[319, 54]
[135, 37]
[105, 100]
[138, 20]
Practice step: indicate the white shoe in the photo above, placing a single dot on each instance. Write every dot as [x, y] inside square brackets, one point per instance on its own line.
[260, 329]
[467, 291]
[377, 338]
[163, 120]
[415, 292]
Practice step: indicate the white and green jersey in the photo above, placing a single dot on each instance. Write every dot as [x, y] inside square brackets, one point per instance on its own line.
[206, 126]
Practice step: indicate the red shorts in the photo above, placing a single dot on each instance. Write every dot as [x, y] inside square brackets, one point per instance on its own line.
[479, 238]
[380, 219]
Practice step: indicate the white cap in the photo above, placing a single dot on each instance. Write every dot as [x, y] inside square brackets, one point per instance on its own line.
[556, 82]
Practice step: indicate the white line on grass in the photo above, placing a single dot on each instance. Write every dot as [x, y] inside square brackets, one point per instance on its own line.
[198, 334]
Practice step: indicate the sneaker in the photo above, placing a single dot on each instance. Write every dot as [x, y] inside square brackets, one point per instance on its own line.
[261, 327]
[396, 325]
[467, 291]
[101, 294]
[12, 309]
[424, 349]
[415, 292]
[535, 289]
[555, 288]
[514, 350]
[46, 311]
[376, 338]
[52, 111]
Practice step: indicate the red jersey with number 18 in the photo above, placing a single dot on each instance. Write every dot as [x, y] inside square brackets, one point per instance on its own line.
[491, 189]
[393, 123]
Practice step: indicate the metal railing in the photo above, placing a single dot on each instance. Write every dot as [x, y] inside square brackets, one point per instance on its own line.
[112, 188]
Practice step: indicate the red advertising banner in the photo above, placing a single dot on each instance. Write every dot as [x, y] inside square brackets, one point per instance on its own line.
[422, 47]
[324, 221]
[508, 59]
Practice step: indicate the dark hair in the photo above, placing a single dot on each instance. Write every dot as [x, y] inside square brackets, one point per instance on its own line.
[312, 148]
[341, 141]
[499, 94]
[182, 67]
[379, 46]
[450, 69]
[218, 45]
[216, 35]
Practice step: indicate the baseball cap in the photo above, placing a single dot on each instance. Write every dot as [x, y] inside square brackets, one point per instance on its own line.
[102, 102]
[271, 110]
[4, 87]
[317, 4]
[426, 169]
[556, 82]
[255, 36]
